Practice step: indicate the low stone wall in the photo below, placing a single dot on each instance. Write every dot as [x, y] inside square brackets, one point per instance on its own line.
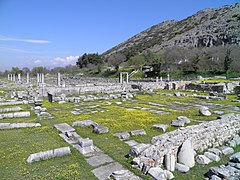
[208, 134]
[15, 115]
[18, 125]
[7, 103]
[11, 109]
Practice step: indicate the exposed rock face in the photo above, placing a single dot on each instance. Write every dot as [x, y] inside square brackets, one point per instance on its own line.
[206, 28]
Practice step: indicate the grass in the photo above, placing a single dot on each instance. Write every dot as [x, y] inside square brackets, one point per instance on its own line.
[18, 144]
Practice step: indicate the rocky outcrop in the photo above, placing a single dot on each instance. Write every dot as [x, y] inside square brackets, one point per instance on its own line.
[206, 28]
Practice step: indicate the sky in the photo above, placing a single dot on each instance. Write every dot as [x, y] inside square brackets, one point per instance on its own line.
[54, 33]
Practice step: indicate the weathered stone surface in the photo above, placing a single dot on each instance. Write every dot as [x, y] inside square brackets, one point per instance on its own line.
[87, 151]
[136, 150]
[169, 162]
[83, 123]
[163, 127]
[4, 110]
[220, 172]
[157, 173]
[18, 125]
[122, 135]
[99, 160]
[184, 119]
[235, 157]
[100, 129]
[64, 127]
[181, 167]
[168, 174]
[104, 172]
[85, 142]
[212, 156]
[227, 150]
[215, 151]
[138, 132]
[132, 143]
[49, 154]
[205, 135]
[204, 111]
[15, 115]
[214, 177]
[186, 154]
[202, 159]
[21, 114]
[61, 151]
[124, 175]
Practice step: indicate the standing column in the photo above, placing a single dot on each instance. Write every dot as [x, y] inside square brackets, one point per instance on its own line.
[27, 78]
[42, 78]
[120, 78]
[127, 78]
[168, 77]
[59, 79]
[11, 77]
[157, 79]
[14, 77]
[19, 77]
[37, 77]
[8, 77]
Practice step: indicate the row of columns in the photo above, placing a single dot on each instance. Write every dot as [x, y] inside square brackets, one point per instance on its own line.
[40, 78]
[121, 77]
[121, 80]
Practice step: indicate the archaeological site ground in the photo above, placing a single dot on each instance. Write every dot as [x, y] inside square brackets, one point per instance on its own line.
[60, 127]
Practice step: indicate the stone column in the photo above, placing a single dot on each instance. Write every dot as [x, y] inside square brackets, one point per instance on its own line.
[8, 77]
[126, 77]
[14, 77]
[168, 77]
[42, 78]
[157, 79]
[38, 78]
[120, 78]
[59, 79]
[19, 77]
[27, 78]
[11, 77]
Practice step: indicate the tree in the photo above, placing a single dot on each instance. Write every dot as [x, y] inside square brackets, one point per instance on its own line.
[116, 59]
[137, 61]
[86, 59]
[227, 60]
[16, 70]
[39, 69]
[25, 70]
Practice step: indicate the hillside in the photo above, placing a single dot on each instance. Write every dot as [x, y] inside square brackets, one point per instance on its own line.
[206, 28]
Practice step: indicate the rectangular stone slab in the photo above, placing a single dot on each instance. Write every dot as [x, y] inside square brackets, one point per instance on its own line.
[104, 172]
[64, 127]
[99, 160]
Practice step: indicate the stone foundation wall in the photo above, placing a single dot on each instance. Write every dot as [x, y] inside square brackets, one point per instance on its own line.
[205, 135]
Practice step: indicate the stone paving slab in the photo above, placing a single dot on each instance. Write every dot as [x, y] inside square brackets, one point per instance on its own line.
[132, 143]
[64, 127]
[104, 172]
[99, 160]
[95, 152]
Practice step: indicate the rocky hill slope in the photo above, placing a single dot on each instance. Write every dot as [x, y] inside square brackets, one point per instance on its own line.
[206, 28]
